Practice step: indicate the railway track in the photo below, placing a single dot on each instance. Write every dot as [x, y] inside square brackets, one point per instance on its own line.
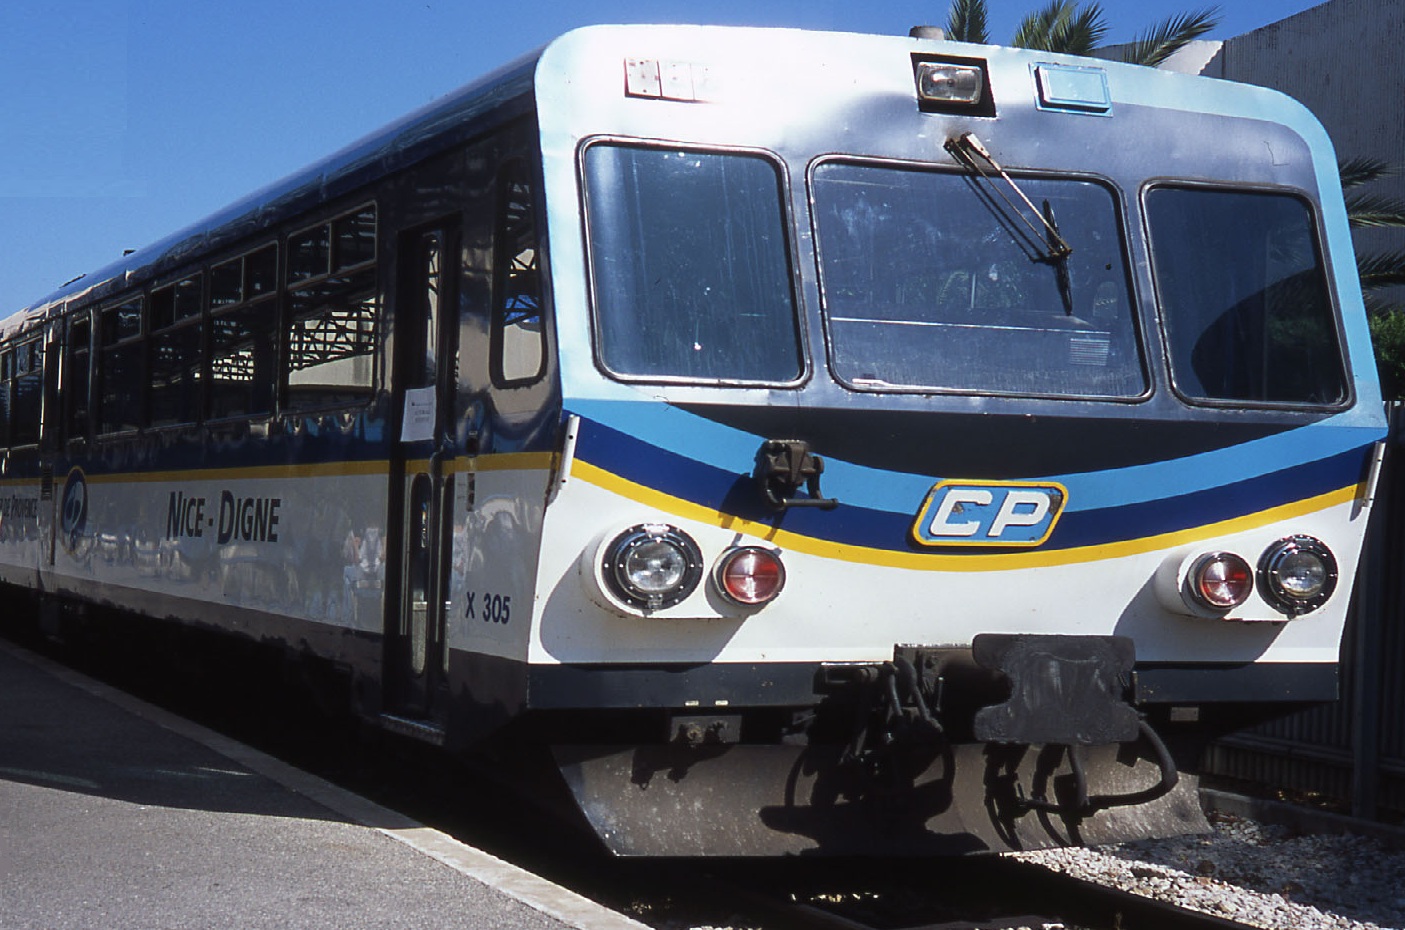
[990, 893]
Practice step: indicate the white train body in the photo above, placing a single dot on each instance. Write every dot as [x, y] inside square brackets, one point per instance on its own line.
[884, 438]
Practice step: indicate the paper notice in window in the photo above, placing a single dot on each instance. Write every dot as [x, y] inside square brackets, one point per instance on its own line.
[418, 425]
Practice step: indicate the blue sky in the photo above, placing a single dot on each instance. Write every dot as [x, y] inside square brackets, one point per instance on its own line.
[124, 120]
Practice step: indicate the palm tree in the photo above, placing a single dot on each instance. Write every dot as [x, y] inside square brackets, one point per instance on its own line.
[1078, 28]
[1379, 271]
[1063, 26]
[966, 22]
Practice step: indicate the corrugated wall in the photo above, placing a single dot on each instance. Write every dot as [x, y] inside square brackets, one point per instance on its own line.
[1352, 751]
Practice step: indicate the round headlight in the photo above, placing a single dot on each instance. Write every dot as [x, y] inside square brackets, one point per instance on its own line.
[1297, 574]
[750, 575]
[652, 565]
[1220, 580]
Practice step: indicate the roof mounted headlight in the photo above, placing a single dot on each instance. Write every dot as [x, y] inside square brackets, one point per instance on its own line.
[1297, 574]
[943, 82]
[652, 566]
[952, 85]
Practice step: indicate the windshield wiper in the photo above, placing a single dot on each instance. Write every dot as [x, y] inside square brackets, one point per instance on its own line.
[1058, 257]
[968, 150]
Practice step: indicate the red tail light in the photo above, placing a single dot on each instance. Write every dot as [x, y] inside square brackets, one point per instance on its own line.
[750, 575]
[1220, 580]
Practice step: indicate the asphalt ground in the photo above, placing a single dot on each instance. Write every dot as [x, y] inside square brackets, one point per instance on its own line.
[117, 814]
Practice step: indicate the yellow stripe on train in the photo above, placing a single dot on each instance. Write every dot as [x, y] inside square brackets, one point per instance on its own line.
[608, 481]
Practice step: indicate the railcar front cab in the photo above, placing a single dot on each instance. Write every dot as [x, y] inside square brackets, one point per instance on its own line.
[1049, 379]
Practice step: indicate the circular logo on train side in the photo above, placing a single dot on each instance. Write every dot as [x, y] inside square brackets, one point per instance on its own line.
[73, 515]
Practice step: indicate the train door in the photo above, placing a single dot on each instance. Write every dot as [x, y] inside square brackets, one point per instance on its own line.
[424, 386]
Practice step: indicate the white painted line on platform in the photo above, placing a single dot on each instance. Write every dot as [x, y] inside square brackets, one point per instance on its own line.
[532, 890]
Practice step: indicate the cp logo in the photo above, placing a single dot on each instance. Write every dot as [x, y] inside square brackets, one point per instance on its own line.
[993, 513]
[73, 518]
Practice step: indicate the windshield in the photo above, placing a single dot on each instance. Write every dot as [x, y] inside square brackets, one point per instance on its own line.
[1244, 298]
[931, 281]
[690, 265]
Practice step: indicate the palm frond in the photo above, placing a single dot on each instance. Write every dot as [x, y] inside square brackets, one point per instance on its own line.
[1035, 29]
[1169, 36]
[1085, 31]
[1357, 171]
[1381, 270]
[1375, 211]
[1063, 26]
[1378, 306]
[966, 21]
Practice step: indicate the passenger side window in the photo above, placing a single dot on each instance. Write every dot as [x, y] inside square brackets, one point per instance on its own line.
[177, 352]
[1245, 302]
[22, 389]
[517, 344]
[690, 265]
[120, 367]
[243, 334]
[7, 373]
[73, 391]
[333, 312]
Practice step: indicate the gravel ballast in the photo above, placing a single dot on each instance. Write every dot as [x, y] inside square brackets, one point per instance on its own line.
[1265, 875]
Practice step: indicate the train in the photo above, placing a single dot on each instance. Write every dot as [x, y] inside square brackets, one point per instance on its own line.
[807, 443]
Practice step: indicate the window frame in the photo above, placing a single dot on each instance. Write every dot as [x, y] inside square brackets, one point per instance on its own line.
[245, 303]
[1140, 337]
[1329, 280]
[73, 354]
[137, 380]
[175, 325]
[515, 170]
[788, 228]
[27, 343]
[366, 291]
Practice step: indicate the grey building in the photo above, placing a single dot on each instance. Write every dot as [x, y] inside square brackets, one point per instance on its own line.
[1345, 61]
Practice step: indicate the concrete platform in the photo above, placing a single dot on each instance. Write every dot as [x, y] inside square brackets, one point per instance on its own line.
[116, 814]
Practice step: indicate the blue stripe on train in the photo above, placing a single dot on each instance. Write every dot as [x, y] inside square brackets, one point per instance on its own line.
[734, 493]
[709, 442]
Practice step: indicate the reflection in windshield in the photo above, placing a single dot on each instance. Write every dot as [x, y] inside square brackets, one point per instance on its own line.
[690, 265]
[1244, 297]
[931, 283]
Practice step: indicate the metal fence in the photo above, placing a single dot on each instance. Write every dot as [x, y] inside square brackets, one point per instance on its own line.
[1352, 751]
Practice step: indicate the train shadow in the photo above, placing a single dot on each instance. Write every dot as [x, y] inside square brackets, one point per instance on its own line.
[60, 731]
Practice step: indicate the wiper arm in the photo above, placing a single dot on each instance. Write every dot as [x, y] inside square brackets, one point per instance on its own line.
[967, 149]
[1058, 257]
